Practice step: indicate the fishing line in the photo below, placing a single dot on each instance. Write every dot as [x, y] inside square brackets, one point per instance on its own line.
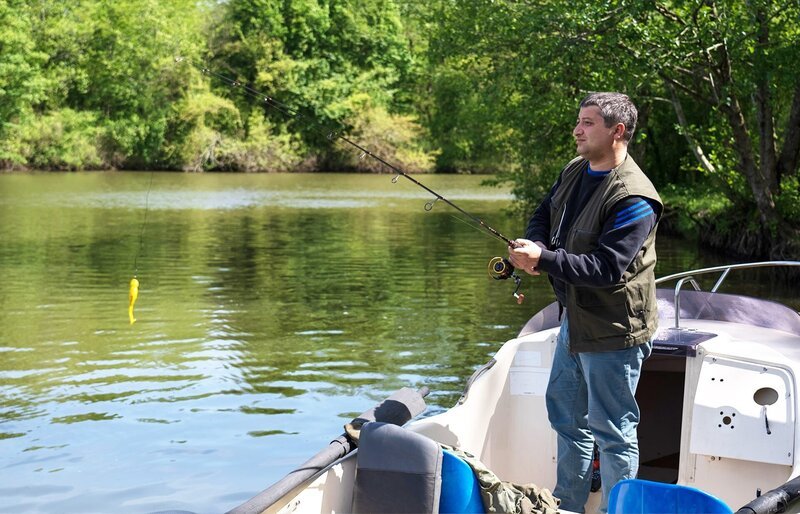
[144, 224]
[133, 286]
[500, 271]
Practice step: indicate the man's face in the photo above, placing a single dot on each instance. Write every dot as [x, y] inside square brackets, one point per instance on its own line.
[593, 140]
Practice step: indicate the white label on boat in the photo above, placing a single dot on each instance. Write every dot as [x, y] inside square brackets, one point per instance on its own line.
[528, 358]
[529, 381]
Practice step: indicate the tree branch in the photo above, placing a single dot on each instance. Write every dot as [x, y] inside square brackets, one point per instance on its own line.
[697, 95]
[743, 143]
[669, 14]
[603, 23]
[694, 146]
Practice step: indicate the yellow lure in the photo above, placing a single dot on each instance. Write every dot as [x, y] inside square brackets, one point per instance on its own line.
[133, 294]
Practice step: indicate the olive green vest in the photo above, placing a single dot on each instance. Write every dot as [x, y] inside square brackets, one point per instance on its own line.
[623, 314]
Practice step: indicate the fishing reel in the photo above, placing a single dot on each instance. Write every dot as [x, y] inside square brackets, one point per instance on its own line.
[501, 269]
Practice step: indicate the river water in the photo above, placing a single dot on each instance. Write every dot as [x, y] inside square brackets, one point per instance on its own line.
[272, 310]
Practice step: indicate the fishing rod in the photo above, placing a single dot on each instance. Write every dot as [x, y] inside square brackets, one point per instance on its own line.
[499, 267]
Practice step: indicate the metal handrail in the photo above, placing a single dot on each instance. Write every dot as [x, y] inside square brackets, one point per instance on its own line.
[677, 301]
[688, 276]
[727, 268]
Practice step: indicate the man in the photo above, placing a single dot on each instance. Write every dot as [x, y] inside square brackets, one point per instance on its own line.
[594, 235]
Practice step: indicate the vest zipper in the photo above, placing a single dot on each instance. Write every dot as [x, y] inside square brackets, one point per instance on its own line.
[555, 241]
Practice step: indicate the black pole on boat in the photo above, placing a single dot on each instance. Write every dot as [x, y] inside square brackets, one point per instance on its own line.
[776, 500]
[397, 409]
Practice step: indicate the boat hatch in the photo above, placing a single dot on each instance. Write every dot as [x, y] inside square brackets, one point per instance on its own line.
[743, 410]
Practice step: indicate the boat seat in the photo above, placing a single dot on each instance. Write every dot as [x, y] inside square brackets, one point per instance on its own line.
[637, 496]
[399, 471]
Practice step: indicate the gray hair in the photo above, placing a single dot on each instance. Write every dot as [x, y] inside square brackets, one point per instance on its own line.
[614, 108]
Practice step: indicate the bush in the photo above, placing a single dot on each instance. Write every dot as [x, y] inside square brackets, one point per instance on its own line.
[688, 209]
[200, 122]
[394, 138]
[266, 148]
[210, 135]
[59, 140]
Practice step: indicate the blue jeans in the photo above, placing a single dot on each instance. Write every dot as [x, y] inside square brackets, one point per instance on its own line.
[590, 397]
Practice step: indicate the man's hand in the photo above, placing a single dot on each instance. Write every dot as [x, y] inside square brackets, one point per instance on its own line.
[525, 255]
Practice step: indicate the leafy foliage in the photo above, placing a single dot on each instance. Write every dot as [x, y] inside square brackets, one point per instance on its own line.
[22, 83]
[392, 138]
[715, 81]
[61, 140]
[318, 58]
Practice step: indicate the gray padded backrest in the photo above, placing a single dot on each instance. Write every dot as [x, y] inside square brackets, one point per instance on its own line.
[397, 471]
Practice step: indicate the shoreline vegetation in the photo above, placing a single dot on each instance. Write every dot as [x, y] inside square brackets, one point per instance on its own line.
[447, 86]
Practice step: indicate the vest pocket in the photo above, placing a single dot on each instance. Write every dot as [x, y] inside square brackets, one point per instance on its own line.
[603, 313]
[640, 313]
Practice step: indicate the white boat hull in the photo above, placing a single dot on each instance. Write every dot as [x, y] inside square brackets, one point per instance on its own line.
[719, 413]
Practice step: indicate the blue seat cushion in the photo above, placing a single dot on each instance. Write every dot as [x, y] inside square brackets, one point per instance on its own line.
[461, 492]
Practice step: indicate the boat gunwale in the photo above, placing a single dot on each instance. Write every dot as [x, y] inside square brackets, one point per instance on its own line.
[707, 305]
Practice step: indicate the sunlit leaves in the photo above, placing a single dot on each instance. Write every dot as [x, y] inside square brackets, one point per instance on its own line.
[544, 56]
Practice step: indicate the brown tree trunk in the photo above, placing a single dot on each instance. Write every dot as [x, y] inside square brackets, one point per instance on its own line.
[764, 112]
[759, 178]
[743, 145]
[787, 163]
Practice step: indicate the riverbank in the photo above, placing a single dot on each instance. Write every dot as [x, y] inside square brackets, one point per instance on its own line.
[717, 224]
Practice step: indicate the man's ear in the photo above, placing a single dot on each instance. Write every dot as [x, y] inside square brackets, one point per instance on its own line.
[619, 131]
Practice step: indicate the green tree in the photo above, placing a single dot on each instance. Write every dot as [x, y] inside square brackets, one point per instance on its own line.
[725, 69]
[735, 62]
[133, 80]
[21, 81]
[102, 73]
[318, 58]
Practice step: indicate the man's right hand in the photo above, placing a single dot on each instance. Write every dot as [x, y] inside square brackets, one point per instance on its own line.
[525, 255]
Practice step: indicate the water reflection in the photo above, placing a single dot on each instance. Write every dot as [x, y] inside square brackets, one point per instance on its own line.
[272, 309]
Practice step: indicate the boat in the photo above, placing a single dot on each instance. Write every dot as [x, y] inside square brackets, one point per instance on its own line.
[718, 399]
